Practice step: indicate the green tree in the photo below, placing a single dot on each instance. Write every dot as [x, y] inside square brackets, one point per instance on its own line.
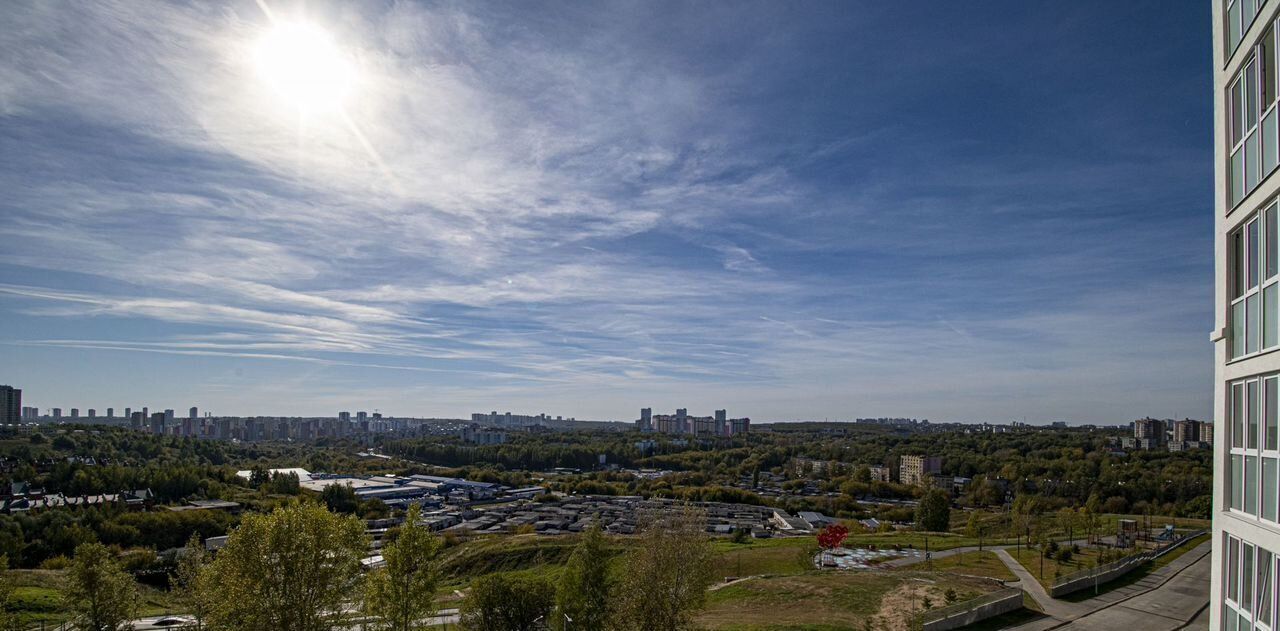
[667, 574]
[340, 498]
[583, 593]
[258, 476]
[289, 570]
[284, 484]
[510, 602]
[102, 594]
[189, 578]
[400, 594]
[934, 512]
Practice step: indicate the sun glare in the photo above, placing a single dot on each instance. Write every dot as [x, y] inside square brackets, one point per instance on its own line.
[305, 68]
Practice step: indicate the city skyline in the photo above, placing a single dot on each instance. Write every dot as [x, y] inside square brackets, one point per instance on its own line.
[676, 205]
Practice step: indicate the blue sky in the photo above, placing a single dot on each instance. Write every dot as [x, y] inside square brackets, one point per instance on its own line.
[955, 211]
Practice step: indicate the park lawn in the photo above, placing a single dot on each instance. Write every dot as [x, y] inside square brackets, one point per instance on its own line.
[911, 539]
[792, 555]
[984, 563]
[821, 600]
[37, 596]
[1030, 558]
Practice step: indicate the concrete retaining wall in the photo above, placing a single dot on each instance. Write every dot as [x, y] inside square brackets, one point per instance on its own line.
[1112, 571]
[1119, 569]
[1005, 601]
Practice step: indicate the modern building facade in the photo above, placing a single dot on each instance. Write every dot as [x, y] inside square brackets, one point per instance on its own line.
[1246, 335]
[10, 405]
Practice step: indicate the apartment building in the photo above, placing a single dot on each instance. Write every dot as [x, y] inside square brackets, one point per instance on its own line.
[10, 405]
[1246, 335]
[918, 470]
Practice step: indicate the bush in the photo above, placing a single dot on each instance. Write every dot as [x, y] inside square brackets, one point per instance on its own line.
[59, 562]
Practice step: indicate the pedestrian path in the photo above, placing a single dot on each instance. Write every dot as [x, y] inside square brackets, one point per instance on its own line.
[1168, 598]
[1054, 608]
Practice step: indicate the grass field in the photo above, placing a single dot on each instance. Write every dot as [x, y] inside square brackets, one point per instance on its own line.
[984, 563]
[1045, 574]
[822, 600]
[38, 597]
[764, 556]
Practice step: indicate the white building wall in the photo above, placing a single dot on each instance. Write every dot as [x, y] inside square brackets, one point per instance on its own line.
[1226, 66]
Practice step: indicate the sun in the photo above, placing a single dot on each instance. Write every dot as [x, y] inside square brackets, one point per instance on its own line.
[304, 67]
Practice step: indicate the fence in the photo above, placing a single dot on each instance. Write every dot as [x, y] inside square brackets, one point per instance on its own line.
[970, 611]
[1106, 572]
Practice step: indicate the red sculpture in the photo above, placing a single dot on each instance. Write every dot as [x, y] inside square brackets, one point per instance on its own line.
[832, 537]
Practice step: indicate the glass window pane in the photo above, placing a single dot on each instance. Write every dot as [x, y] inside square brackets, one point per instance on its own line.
[1237, 329]
[1269, 420]
[1237, 177]
[1269, 234]
[1233, 569]
[1233, 26]
[1237, 263]
[1237, 415]
[1269, 140]
[1230, 621]
[1269, 489]
[1250, 96]
[1252, 233]
[1252, 327]
[1251, 485]
[1246, 577]
[1265, 70]
[1252, 413]
[1270, 304]
[1237, 482]
[1251, 162]
[1237, 112]
[1264, 587]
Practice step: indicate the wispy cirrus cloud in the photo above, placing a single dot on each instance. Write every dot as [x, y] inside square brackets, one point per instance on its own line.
[587, 209]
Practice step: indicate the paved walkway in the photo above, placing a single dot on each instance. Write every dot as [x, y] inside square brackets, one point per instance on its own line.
[1170, 598]
[1054, 608]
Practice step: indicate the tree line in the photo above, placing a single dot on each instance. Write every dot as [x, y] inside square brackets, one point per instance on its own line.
[299, 568]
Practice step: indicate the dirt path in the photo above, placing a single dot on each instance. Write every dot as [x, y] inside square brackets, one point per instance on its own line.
[899, 607]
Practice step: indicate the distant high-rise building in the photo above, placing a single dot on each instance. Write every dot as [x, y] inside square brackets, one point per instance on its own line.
[169, 416]
[75, 412]
[345, 417]
[722, 420]
[194, 412]
[1187, 431]
[1246, 385]
[111, 412]
[157, 423]
[1150, 429]
[915, 470]
[128, 412]
[362, 416]
[10, 405]
[682, 421]
[145, 412]
[645, 424]
[57, 412]
[93, 413]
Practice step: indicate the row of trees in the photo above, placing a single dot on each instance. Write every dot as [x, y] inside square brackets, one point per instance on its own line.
[299, 568]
